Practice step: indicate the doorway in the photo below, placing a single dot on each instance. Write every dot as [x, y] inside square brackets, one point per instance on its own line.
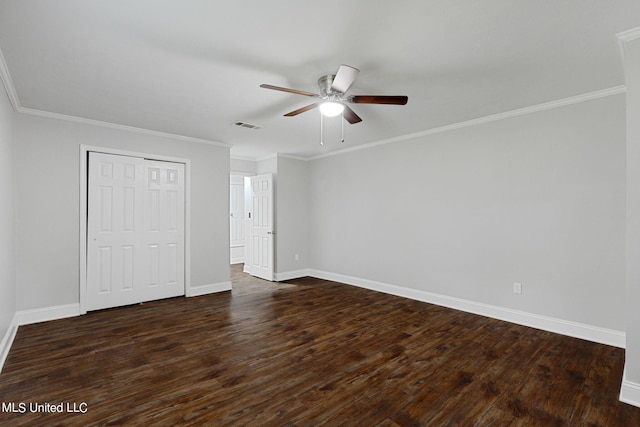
[260, 241]
[236, 219]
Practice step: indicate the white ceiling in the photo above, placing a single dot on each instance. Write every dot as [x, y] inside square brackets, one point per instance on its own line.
[193, 67]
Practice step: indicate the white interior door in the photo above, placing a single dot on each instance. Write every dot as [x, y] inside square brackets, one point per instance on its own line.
[261, 233]
[237, 218]
[135, 230]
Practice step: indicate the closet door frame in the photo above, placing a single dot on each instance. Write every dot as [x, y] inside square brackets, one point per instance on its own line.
[84, 154]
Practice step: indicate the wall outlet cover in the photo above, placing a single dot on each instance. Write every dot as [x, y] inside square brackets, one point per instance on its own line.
[517, 288]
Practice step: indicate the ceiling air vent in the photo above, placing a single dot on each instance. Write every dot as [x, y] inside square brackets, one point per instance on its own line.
[247, 125]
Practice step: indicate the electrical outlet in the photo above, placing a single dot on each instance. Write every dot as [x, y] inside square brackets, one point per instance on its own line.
[517, 288]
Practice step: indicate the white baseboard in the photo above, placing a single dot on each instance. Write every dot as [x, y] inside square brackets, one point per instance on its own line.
[7, 340]
[237, 254]
[196, 291]
[36, 315]
[559, 326]
[630, 391]
[290, 275]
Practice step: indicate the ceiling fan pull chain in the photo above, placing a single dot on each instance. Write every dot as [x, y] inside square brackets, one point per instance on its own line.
[321, 130]
[342, 123]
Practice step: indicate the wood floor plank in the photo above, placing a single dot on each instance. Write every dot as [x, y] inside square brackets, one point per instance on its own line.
[308, 352]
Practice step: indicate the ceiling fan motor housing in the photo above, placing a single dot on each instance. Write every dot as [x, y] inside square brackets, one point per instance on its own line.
[324, 83]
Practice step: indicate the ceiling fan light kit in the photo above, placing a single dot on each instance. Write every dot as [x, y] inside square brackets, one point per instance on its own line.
[331, 108]
[333, 88]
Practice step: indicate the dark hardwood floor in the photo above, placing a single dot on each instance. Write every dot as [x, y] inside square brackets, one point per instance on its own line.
[307, 352]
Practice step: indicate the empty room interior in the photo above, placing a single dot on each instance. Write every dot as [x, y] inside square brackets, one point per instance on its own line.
[334, 213]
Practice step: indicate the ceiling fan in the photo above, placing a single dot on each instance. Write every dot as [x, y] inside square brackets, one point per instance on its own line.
[332, 99]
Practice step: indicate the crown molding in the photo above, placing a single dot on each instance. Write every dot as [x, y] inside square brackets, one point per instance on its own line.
[246, 159]
[623, 37]
[82, 120]
[290, 156]
[267, 157]
[487, 119]
[616, 90]
[627, 36]
[5, 76]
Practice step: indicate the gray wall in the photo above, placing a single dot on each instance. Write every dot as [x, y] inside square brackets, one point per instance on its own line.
[242, 166]
[291, 199]
[47, 205]
[632, 72]
[292, 215]
[7, 255]
[268, 165]
[537, 199]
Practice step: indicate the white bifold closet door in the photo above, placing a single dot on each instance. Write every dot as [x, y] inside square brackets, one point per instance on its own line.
[135, 230]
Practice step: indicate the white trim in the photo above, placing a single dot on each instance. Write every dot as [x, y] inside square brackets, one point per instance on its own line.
[290, 275]
[622, 38]
[196, 291]
[290, 156]
[247, 159]
[267, 157]
[45, 314]
[487, 119]
[276, 155]
[270, 156]
[238, 260]
[187, 226]
[551, 324]
[84, 149]
[26, 317]
[629, 391]
[100, 123]
[10, 88]
[7, 341]
[5, 76]
[627, 36]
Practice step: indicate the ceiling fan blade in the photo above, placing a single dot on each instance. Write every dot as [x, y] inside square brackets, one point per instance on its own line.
[302, 110]
[378, 99]
[350, 115]
[285, 89]
[344, 78]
